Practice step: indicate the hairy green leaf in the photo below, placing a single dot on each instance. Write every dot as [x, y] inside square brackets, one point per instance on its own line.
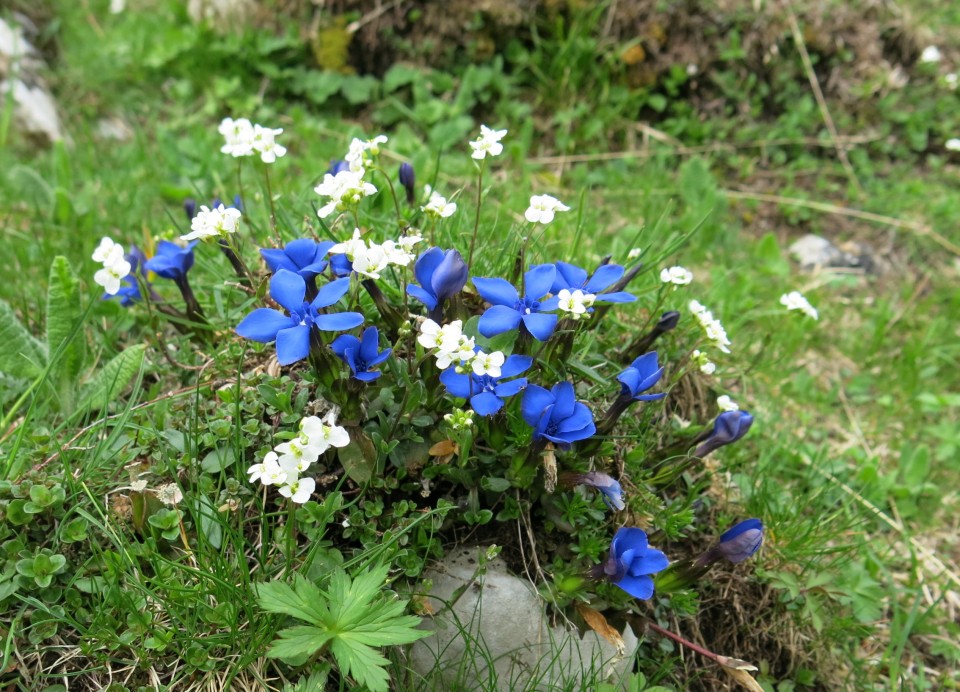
[22, 355]
[63, 311]
[113, 378]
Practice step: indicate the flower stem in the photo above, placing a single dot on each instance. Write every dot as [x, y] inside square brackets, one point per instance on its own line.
[291, 533]
[684, 642]
[273, 211]
[476, 223]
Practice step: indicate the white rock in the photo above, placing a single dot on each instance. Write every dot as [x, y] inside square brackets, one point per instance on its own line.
[499, 619]
[815, 251]
[34, 113]
[224, 15]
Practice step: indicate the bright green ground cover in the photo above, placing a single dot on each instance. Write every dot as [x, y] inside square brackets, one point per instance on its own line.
[853, 461]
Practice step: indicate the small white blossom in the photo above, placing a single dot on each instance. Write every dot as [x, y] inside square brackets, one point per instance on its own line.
[300, 490]
[345, 190]
[326, 433]
[952, 144]
[543, 208]
[725, 403]
[108, 252]
[576, 303]
[487, 363]
[265, 143]
[169, 494]
[445, 338]
[238, 135]
[397, 254]
[461, 352]
[634, 253]
[297, 455]
[361, 152]
[488, 143]
[268, 471]
[950, 79]
[711, 326]
[371, 261]
[438, 207]
[109, 277]
[795, 301]
[676, 275]
[408, 241]
[212, 223]
[707, 367]
[930, 54]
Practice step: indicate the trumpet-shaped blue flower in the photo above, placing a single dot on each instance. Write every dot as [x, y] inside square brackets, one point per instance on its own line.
[485, 392]
[641, 375]
[729, 427]
[408, 178]
[305, 257]
[441, 275]
[631, 562]
[556, 415]
[292, 331]
[362, 355]
[509, 310]
[572, 278]
[172, 261]
[608, 486]
[741, 541]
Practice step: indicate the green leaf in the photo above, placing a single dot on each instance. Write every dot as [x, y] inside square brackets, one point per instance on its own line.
[366, 665]
[22, 355]
[217, 460]
[208, 520]
[298, 643]
[63, 310]
[359, 458]
[112, 379]
[303, 600]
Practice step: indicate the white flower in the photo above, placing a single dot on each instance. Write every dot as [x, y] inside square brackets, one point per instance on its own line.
[351, 248]
[450, 351]
[297, 455]
[169, 494]
[408, 241]
[371, 261]
[117, 6]
[487, 363]
[300, 490]
[238, 135]
[360, 152]
[703, 362]
[268, 471]
[345, 190]
[634, 253]
[543, 208]
[445, 338]
[725, 403]
[108, 252]
[109, 277]
[576, 303]
[396, 253]
[952, 144]
[676, 275]
[326, 433]
[795, 301]
[696, 307]
[712, 327]
[438, 207]
[264, 143]
[488, 143]
[930, 54]
[212, 223]
[950, 79]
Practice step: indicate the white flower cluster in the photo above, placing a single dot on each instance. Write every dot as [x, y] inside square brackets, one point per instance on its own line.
[488, 143]
[576, 303]
[678, 276]
[115, 265]
[345, 190]
[930, 54]
[795, 301]
[714, 330]
[453, 346]
[361, 153]
[285, 465]
[707, 367]
[725, 403]
[459, 419]
[213, 223]
[369, 258]
[543, 208]
[438, 207]
[244, 138]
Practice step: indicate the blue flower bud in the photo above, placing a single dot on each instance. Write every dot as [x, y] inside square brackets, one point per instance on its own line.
[741, 541]
[190, 207]
[612, 492]
[729, 427]
[409, 180]
[441, 275]
[668, 321]
[338, 165]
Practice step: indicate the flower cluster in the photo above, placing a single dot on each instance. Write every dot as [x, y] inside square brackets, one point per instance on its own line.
[449, 341]
[116, 266]
[286, 464]
[345, 189]
[488, 143]
[543, 208]
[725, 403]
[369, 258]
[702, 361]
[711, 326]
[244, 138]
[218, 222]
[678, 276]
[362, 152]
[795, 301]
[438, 207]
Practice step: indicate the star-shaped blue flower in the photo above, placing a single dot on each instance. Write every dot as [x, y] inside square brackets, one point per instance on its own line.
[305, 257]
[572, 278]
[641, 375]
[172, 261]
[508, 310]
[631, 561]
[486, 393]
[556, 415]
[362, 355]
[292, 331]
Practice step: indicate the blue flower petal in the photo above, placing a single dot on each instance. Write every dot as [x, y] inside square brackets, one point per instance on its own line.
[535, 400]
[331, 293]
[577, 426]
[628, 538]
[539, 325]
[367, 375]
[638, 587]
[456, 383]
[293, 344]
[497, 291]
[342, 343]
[565, 399]
[486, 403]
[649, 397]
[505, 389]
[422, 295]
[497, 320]
[630, 379]
[551, 303]
[514, 365]
[604, 276]
[426, 265]
[263, 324]
[277, 259]
[288, 289]
[369, 343]
[647, 561]
[619, 297]
[338, 321]
[568, 276]
[303, 251]
[539, 280]
[380, 358]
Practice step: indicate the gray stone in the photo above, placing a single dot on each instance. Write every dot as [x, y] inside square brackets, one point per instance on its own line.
[815, 252]
[497, 618]
[34, 111]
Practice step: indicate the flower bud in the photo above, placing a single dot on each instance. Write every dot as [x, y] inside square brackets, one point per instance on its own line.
[338, 166]
[409, 180]
[729, 427]
[741, 541]
[668, 321]
[190, 207]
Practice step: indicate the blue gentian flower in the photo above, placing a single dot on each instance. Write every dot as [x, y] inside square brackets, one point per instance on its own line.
[741, 541]
[729, 427]
[556, 415]
[631, 561]
[509, 310]
[572, 278]
[292, 332]
[609, 487]
[486, 393]
[441, 275]
[408, 178]
[362, 355]
[305, 257]
[172, 261]
[641, 375]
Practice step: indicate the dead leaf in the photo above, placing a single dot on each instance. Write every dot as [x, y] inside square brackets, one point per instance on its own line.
[549, 470]
[735, 663]
[599, 624]
[744, 679]
[443, 448]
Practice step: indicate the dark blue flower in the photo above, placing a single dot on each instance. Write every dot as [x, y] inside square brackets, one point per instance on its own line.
[609, 487]
[631, 561]
[292, 332]
[305, 257]
[508, 310]
[641, 375]
[486, 393]
[742, 540]
[572, 278]
[729, 427]
[556, 415]
[441, 275]
[172, 261]
[361, 354]
[408, 178]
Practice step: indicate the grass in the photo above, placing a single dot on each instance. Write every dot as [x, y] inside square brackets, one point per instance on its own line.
[852, 461]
